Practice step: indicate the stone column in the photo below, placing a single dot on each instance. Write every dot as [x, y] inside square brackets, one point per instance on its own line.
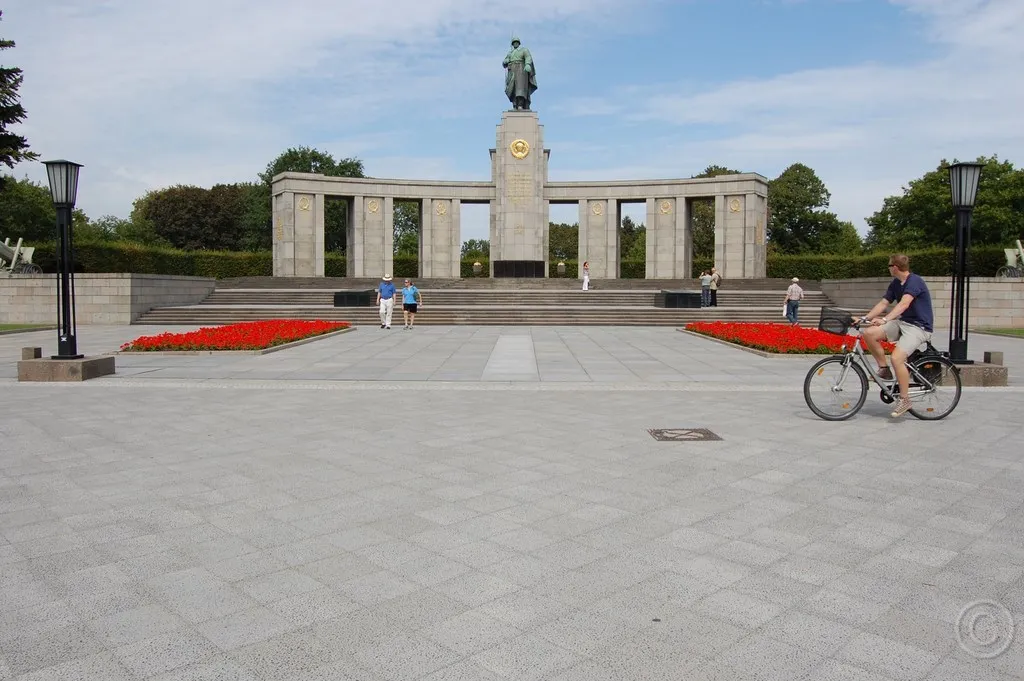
[582, 242]
[320, 206]
[545, 239]
[426, 239]
[354, 260]
[388, 236]
[370, 253]
[662, 227]
[455, 237]
[683, 234]
[730, 236]
[756, 228]
[284, 234]
[601, 238]
[440, 245]
[305, 235]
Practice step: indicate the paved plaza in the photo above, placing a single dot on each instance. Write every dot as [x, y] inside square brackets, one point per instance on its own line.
[482, 503]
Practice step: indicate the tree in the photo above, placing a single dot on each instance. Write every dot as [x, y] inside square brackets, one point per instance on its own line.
[191, 217]
[475, 248]
[304, 160]
[563, 241]
[797, 219]
[407, 227]
[923, 216]
[27, 212]
[13, 147]
[840, 238]
[629, 231]
[113, 228]
[703, 217]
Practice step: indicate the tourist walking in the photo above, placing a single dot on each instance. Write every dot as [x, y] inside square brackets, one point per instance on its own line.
[705, 289]
[794, 294]
[586, 275]
[411, 298]
[386, 301]
[716, 281]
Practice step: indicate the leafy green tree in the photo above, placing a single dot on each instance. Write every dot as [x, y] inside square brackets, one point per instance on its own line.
[302, 159]
[27, 212]
[113, 228]
[407, 227]
[923, 216]
[638, 247]
[798, 221]
[841, 238]
[703, 216]
[194, 218]
[13, 147]
[629, 232]
[475, 248]
[563, 241]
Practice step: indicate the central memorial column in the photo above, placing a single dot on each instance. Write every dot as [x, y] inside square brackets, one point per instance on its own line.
[519, 213]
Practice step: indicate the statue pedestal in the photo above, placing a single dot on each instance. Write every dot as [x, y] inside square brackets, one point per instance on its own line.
[519, 215]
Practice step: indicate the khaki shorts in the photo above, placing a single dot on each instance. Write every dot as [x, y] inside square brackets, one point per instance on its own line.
[906, 336]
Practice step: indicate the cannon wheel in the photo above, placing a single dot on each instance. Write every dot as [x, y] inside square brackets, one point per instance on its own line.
[30, 268]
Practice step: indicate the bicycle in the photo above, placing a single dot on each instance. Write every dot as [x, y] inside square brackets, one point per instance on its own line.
[843, 383]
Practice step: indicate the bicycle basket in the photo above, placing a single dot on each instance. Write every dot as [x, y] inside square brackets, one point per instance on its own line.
[835, 320]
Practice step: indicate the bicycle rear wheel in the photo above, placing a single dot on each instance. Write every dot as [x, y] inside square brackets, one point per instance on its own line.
[827, 397]
[940, 401]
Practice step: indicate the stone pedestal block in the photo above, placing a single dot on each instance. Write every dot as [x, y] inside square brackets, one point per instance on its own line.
[65, 370]
[519, 212]
[31, 353]
[981, 375]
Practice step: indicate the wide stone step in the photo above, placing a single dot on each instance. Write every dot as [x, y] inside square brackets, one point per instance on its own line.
[484, 283]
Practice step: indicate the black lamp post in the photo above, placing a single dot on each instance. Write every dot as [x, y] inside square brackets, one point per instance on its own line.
[963, 184]
[63, 177]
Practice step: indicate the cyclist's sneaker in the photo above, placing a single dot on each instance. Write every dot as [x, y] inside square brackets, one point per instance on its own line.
[885, 373]
[902, 407]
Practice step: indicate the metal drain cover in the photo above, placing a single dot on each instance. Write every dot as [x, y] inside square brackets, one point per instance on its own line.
[682, 434]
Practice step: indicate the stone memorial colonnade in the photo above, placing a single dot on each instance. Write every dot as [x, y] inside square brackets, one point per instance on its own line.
[519, 197]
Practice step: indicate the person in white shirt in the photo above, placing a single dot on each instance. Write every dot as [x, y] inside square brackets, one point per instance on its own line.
[794, 294]
[705, 289]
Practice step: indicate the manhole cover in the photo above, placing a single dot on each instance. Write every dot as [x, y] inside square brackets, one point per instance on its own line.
[682, 434]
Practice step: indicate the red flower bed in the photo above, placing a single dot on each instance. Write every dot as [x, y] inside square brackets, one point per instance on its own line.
[244, 336]
[780, 338]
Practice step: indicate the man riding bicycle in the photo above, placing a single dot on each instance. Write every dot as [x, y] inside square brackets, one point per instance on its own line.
[908, 324]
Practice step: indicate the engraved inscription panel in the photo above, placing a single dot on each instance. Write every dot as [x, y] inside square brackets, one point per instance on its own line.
[519, 187]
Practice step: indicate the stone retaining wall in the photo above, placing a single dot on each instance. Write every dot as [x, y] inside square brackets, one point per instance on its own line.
[99, 298]
[994, 302]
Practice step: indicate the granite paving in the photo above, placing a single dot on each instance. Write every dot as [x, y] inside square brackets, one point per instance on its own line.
[487, 503]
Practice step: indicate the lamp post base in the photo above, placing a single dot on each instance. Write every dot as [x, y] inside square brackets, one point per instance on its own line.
[958, 352]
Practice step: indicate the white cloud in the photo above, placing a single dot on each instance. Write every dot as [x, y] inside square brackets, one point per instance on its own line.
[867, 129]
[151, 94]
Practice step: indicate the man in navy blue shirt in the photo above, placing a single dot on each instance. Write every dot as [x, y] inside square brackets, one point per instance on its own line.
[908, 324]
[386, 301]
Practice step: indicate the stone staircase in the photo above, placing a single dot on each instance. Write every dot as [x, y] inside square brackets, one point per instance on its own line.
[538, 302]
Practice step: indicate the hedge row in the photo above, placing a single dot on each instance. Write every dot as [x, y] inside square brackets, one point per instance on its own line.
[126, 257]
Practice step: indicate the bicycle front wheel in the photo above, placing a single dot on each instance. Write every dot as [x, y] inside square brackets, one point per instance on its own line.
[833, 391]
[940, 399]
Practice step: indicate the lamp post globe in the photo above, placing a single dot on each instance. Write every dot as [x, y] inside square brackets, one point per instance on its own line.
[63, 177]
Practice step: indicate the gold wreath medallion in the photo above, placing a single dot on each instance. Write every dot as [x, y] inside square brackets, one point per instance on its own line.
[734, 206]
[666, 207]
[596, 208]
[440, 208]
[372, 206]
[304, 203]
[519, 148]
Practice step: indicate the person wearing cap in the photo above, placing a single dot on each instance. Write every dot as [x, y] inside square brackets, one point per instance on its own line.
[794, 294]
[386, 301]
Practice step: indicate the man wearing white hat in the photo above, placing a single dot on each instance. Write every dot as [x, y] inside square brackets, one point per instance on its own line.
[794, 294]
[386, 301]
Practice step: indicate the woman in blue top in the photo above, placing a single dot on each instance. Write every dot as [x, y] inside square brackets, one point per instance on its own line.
[410, 298]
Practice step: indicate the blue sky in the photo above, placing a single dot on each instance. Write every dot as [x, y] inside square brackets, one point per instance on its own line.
[869, 93]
